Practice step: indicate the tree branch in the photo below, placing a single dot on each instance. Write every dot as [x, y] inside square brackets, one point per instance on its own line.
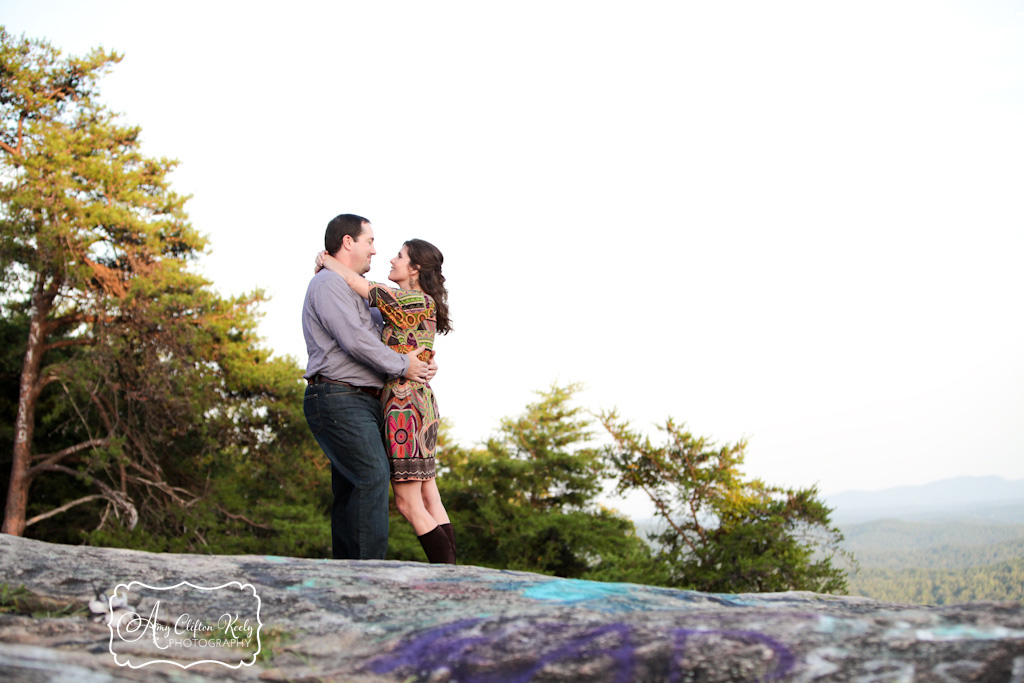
[53, 458]
[100, 409]
[62, 508]
[63, 343]
[75, 318]
[243, 518]
[667, 515]
[620, 441]
[665, 512]
[49, 378]
[171, 491]
[110, 494]
[688, 463]
[21, 133]
[20, 136]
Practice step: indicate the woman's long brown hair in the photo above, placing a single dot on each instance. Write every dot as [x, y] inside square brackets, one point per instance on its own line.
[428, 259]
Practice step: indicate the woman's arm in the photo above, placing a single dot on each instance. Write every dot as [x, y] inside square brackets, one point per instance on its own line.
[357, 282]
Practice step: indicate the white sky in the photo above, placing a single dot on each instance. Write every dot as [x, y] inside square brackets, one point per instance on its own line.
[799, 222]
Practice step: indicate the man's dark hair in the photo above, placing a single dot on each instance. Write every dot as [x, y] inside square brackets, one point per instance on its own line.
[345, 224]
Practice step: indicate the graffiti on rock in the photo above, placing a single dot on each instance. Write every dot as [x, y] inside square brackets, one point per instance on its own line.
[491, 650]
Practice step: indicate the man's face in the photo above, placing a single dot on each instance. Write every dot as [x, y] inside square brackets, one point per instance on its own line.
[362, 250]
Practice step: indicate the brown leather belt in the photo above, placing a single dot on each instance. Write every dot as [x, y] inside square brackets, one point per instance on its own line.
[320, 379]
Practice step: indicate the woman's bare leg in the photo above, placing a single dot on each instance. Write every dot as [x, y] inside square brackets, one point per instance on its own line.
[432, 502]
[409, 501]
[436, 542]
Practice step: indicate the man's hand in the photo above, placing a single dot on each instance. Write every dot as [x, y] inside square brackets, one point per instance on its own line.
[431, 368]
[417, 371]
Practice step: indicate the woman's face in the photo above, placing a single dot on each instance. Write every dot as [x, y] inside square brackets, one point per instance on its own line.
[401, 269]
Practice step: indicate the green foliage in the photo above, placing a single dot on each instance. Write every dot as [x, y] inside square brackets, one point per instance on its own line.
[723, 533]
[526, 500]
[155, 420]
[1003, 581]
[9, 598]
[20, 600]
[274, 641]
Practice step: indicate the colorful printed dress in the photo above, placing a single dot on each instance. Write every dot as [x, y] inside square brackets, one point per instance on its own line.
[410, 410]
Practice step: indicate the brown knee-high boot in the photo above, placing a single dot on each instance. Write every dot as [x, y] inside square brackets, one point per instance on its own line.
[450, 533]
[438, 548]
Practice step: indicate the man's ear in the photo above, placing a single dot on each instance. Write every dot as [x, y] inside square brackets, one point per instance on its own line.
[346, 242]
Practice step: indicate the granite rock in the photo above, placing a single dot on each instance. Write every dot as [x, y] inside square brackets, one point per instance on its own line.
[208, 617]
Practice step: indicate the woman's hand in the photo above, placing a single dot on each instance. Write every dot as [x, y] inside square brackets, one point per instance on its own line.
[354, 280]
[319, 262]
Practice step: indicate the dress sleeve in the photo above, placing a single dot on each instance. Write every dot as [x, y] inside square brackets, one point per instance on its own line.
[406, 309]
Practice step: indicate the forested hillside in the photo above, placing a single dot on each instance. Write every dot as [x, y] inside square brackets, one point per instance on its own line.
[1000, 582]
[937, 562]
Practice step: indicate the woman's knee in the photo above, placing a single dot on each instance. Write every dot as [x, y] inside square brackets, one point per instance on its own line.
[405, 508]
[430, 494]
[432, 503]
[407, 498]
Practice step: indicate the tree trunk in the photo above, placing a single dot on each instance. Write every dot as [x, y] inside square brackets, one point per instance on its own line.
[24, 425]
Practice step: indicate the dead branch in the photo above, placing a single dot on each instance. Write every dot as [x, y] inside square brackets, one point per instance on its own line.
[243, 518]
[171, 491]
[103, 519]
[85, 423]
[62, 508]
[110, 494]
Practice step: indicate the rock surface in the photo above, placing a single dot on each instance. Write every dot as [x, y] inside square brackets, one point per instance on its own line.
[322, 620]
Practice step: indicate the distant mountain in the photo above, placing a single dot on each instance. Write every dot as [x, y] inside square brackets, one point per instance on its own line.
[989, 498]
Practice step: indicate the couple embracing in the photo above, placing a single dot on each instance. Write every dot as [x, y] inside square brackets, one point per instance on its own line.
[368, 401]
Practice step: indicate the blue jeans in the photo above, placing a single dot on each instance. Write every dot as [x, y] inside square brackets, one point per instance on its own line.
[347, 424]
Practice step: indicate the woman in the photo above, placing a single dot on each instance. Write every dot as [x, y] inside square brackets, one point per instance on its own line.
[412, 314]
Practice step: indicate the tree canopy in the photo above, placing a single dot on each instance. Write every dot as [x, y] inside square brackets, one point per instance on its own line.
[144, 401]
[720, 532]
[528, 499]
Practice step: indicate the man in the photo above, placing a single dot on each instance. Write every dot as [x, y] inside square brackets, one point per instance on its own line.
[347, 366]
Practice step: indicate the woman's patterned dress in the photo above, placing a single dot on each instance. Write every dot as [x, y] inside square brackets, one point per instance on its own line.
[410, 410]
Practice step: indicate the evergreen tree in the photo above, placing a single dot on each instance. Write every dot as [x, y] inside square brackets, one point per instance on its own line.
[146, 412]
[723, 533]
[526, 500]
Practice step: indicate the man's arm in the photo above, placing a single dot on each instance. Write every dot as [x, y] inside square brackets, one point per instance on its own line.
[341, 312]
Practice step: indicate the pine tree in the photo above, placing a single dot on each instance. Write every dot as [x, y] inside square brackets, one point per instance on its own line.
[723, 533]
[147, 414]
[526, 500]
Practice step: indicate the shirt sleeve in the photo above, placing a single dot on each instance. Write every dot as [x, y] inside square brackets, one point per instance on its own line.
[345, 316]
[406, 309]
